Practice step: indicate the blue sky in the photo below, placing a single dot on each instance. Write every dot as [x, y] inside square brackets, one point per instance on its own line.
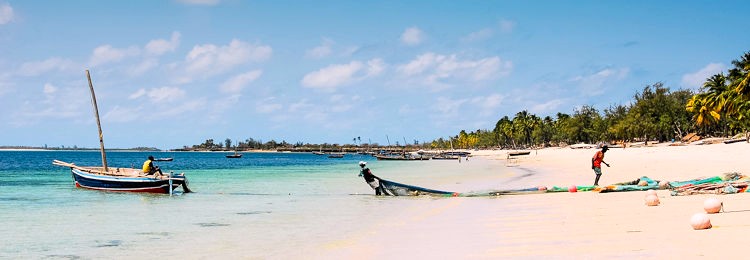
[173, 73]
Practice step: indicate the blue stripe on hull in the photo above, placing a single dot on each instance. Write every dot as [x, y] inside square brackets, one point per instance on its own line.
[135, 184]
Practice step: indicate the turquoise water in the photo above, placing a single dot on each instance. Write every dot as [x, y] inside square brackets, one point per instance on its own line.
[266, 205]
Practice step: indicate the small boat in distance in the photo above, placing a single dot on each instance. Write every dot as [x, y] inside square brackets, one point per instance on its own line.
[169, 159]
[401, 157]
[336, 155]
[235, 155]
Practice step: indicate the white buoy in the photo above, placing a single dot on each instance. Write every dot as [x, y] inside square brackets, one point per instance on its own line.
[663, 184]
[700, 221]
[712, 205]
[652, 200]
[650, 192]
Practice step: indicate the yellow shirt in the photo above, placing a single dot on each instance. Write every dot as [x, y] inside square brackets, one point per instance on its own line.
[147, 166]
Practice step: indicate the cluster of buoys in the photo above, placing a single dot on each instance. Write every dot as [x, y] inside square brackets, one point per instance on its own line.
[701, 220]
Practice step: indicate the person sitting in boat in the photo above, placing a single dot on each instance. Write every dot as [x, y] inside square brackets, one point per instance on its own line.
[149, 168]
[371, 179]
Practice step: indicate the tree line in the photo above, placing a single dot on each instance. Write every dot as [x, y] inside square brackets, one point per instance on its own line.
[721, 107]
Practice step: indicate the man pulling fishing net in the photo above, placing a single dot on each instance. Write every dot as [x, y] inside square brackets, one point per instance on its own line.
[371, 179]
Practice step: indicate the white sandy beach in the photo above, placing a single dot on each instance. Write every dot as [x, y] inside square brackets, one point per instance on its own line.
[565, 225]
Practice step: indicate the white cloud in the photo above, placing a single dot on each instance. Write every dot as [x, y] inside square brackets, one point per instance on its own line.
[143, 67]
[161, 46]
[375, 67]
[437, 71]
[333, 76]
[594, 84]
[107, 54]
[237, 83]
[156, 95]
[507, 26]
[139, 93]
[6, 13]
[322, 51]
[349, 51]
[489, 102]
[210, 59]
[199, 2]
[412, 36]
[447, 107]
[302, 105]
[480, 35]
[268, 105]
[5, 85]
[49, 89]
[696, 79]
[41, 67]
[549, 106]
[166, 94]
[123, 114]
[181, 109]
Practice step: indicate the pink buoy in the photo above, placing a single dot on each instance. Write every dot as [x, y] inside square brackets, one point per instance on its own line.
[652, 200]
[700, 221]
[542, 188]
[650, 192]
[572, 188]
[712, 205]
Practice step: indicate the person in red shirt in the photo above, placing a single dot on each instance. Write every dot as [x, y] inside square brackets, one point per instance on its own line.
[596, 163]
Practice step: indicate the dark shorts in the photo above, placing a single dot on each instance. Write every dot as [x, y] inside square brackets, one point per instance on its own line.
[598, 170]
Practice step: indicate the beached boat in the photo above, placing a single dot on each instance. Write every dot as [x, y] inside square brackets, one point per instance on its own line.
[445, 156]
[457, 153]
[120, 179]
[731, 141]
[519, 153]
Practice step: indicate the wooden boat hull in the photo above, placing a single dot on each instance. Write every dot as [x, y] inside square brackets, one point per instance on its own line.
[234, 156]
[126, 184]
[519, 153]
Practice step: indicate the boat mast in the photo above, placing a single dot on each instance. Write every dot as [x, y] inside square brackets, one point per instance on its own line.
[98, 124]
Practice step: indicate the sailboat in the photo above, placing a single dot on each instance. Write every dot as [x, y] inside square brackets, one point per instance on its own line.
[319, 152]
[106, 178]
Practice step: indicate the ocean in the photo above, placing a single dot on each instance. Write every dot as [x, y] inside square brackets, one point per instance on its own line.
[263, 205]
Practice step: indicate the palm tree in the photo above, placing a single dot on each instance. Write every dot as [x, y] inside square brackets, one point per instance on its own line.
[703, 114]
[739, 75]
[716, 97]
[738, 101]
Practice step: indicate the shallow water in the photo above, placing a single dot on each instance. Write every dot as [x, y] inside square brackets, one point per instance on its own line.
[263, 205]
